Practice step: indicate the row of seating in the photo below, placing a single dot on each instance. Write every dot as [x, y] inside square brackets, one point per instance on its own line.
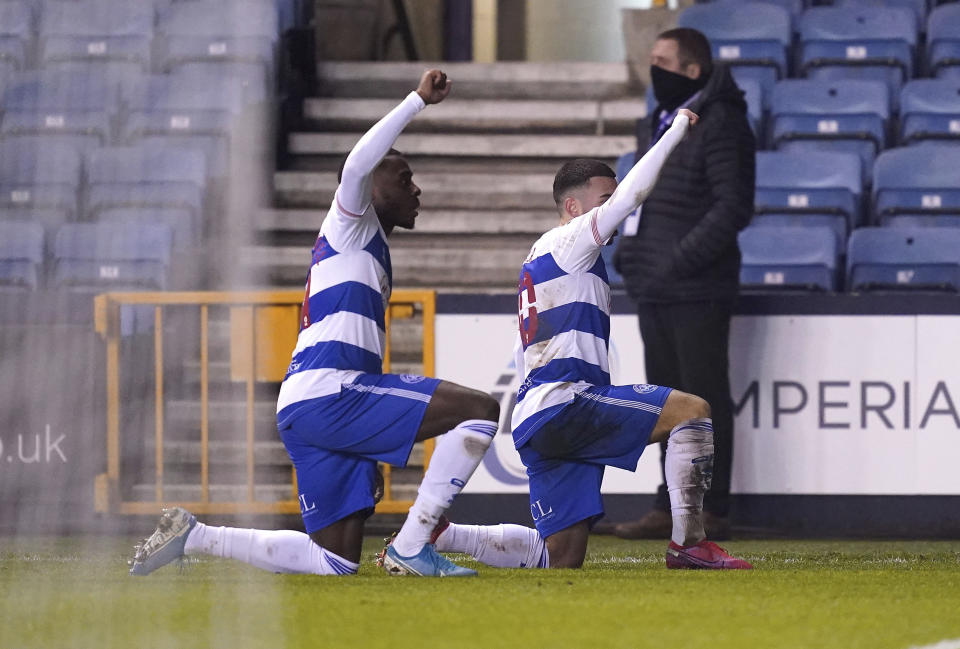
[860, 40]
[127, 34]
[125, 256]
[917, 184]
[192, 108]
[51, 185]
[85, 256]
[792, 257]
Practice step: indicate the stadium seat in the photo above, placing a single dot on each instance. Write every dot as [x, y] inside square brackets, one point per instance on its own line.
[16, 35]
[815, 188]
[39, 179]
[185, 228]
[207, 31]
[904, 258]
[943, 41]
[97, 32]
[921, 181]
[789, 257]
[918, 7]
[21, 255]
[930, 110]
[849, 116]
[74, 90]
[793, 7]
[192, 109]
[83, 130]
[867, 43]
[749, 36]
[146, 177]
[111, 256]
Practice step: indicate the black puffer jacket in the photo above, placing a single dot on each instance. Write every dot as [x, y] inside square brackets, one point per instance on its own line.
[686, 247]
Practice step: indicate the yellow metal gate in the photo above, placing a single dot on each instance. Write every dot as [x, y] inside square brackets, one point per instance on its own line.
[263, 331]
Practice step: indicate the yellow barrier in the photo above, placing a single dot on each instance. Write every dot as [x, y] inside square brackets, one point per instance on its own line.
[263, 333]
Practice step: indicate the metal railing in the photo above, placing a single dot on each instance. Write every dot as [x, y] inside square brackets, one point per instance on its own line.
[263, 329]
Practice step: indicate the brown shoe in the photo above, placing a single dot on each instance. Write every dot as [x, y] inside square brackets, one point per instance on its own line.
[655, 524]
[716, 527]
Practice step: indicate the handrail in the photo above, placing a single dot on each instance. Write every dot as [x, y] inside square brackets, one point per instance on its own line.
[107, 319]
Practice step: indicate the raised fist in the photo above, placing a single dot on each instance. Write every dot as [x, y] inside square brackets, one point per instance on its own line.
[434, 87]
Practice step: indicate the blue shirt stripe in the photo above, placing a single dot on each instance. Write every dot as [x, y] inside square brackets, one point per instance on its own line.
[354, 297]
[600, 270]
[333, 354]
[562, 370]
[542, 269]
[575, 316]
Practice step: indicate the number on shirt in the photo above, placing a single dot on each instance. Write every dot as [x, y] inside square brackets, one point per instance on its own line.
[528, 329]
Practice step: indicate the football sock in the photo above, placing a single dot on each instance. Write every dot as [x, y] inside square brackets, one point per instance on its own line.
[455, 457]
[500, 546]
[285, 551]
[688, 468]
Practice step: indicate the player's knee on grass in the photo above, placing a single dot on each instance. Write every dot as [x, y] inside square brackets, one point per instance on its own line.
[568, 548]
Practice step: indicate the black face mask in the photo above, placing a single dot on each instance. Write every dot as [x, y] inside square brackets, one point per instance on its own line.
[672, 89]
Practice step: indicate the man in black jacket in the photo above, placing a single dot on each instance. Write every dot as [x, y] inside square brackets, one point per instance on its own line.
[680, 262]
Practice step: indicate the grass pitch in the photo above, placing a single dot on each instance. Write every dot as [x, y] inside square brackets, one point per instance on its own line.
[75, 592]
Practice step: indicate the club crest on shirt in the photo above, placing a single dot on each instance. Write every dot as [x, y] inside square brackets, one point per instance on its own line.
[411, 378]
[644, 388]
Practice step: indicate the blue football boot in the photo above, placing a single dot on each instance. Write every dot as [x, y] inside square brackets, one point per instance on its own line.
[426, 563]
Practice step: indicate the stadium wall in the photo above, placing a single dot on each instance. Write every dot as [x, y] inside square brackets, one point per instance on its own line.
[847, 415]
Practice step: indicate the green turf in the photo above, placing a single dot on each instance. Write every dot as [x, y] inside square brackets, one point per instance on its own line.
[76, 593]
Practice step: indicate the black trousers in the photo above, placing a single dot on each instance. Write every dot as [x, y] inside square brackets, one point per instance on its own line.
[686, 347]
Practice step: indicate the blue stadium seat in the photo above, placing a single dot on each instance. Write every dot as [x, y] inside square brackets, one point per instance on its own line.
[789, 257]
[16, 34]
[943, 41]
[918, 7]
[237, 32]
[849, 116]
[63, 90]
[904, 258]
[112, 256]
[82, 130]
[751, 35]
[97, 32]
[146, 177]
[793, 7]
[185, 228]
[196, 110]
[930, 110]
[39, 178]
[21, 255]
[816, 188]
[922, 181]
[859, 43]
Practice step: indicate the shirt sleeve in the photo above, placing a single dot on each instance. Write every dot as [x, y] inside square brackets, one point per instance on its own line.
[579, 244]
[355, 192]
[638, 184]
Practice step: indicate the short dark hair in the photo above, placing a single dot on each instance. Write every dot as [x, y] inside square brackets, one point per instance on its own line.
[692, 47]
[344, 162]
[578, 173]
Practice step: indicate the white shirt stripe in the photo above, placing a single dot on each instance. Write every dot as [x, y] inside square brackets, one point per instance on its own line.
[343, 326]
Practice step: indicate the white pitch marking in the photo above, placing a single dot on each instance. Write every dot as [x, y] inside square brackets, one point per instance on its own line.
[943, 644]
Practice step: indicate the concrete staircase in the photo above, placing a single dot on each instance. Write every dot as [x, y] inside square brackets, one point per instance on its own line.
[484, 158]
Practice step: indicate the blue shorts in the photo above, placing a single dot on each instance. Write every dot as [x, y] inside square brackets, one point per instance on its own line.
[605, 425]
[335, 444]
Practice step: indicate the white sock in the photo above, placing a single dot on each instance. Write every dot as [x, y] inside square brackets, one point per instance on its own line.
[455, 458]
[500, 546]
[275, 550]
[689, 468]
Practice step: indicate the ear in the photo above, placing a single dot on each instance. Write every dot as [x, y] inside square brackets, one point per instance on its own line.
[692, 70]
[572, 206]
